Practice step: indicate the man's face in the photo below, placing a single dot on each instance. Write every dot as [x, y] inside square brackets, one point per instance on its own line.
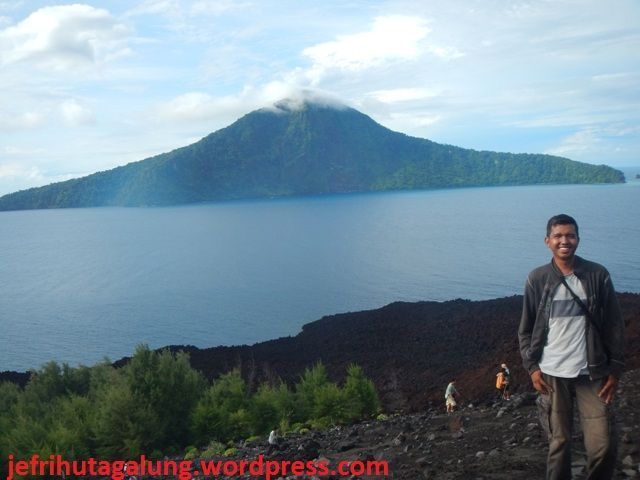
[562, 241]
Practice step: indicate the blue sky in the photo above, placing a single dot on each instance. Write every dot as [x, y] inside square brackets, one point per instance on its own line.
[89, 86]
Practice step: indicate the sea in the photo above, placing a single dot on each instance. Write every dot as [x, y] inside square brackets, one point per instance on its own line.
[80, 286]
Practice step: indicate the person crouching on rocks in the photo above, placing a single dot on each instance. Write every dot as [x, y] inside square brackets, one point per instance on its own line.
[450, 396]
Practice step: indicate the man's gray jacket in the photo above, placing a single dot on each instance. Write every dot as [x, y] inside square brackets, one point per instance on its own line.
[605, 339]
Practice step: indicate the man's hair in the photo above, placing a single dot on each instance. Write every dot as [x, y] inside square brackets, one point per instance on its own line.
[561, 219]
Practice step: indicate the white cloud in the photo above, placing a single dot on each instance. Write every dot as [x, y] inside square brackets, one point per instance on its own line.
[269, 93]
[624, 130]
[12, 171]
[555, 120]
[392, 38]
[576, 144]
[14, 151]
[403, 94]
[216, 7]
[10, 121]
[16, 176]
[416, 120]
[190, 20]
[206, 112]
[601, 140]
[296, 99]
[75, 114]
[199, 107]
[616, 78]
[193, 107]
[64, 37]
[155, 7]
[446, 53]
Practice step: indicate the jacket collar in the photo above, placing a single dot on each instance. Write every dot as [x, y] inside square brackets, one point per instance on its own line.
[578, 267]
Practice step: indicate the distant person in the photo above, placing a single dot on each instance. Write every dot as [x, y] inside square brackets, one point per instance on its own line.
[124, 473]
[272, 441]
[571, 338]
[450, 395]
[503, 380]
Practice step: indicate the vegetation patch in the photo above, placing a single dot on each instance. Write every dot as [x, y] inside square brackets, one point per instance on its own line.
[159, 405]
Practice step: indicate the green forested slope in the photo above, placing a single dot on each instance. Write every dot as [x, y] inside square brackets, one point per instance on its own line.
[297, 151]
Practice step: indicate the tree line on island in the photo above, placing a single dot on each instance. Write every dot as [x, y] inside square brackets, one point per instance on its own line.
[157, 405]
[303, 149]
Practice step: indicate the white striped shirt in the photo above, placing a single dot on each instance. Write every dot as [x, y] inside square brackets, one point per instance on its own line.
[565, 353]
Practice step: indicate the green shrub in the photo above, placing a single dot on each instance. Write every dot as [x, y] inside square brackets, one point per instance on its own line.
[10, 395]
[362, 395]
[239, 424]
[157, 403]
[158, 454]
[124, 426]
[321, 423]
[214, 449]
[191, 453]
[313, 379]
[165, 385]
[284, 426]
[27, 434]
[332, 403]
[296, 427]
[271, 407]
[253, 439]
[221, 412]
[71, 430]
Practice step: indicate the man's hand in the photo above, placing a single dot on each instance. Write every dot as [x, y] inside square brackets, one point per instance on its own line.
[608, 391]
[539, 384]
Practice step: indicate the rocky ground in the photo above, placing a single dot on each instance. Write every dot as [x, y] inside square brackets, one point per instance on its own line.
[411, 351]
[494, 440]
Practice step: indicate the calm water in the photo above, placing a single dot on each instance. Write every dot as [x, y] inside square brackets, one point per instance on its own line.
[83, 284]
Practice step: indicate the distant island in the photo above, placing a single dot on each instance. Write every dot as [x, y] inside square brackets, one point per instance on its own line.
[303, 148]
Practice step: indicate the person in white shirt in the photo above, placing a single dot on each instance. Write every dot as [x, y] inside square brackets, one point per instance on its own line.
[571, 338]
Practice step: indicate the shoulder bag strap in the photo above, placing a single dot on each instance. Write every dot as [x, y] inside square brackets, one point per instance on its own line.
[579, 301]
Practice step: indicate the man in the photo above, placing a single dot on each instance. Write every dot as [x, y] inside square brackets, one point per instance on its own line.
[571, 340]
